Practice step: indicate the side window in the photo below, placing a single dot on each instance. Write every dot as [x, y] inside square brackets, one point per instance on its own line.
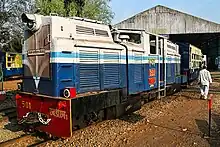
[153, 49]
[133, 37]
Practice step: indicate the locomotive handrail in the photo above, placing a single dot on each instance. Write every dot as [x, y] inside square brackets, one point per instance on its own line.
[138, 50]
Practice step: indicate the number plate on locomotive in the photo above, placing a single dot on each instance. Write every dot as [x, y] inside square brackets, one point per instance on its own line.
[26, 104]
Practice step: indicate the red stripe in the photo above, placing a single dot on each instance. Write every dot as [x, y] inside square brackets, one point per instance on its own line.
[210, 102]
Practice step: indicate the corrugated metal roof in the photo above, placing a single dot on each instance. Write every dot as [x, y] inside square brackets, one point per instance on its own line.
[164, 20]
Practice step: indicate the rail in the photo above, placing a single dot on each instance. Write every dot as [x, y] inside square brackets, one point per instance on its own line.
[211, 91]
[24, 138]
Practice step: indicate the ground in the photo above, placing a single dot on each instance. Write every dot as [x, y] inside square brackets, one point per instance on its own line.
[177, 120]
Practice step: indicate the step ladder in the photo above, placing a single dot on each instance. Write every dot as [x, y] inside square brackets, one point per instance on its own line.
[162, 90]
[162, 93]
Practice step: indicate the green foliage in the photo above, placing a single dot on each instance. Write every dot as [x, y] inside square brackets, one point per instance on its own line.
[93, 9]
[98, 9]
[50, 6]
[11, 27]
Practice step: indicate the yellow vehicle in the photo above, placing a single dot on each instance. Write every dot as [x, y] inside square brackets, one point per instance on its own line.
[191, 61]
[196, 57]
[11, 64]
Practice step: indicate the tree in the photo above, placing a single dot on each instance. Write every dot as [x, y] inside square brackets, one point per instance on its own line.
[93, 9]
[11, 27]
[99, 10]
[79, 4]
[50, 6]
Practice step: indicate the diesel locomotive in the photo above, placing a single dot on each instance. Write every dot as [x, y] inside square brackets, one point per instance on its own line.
[77, 71]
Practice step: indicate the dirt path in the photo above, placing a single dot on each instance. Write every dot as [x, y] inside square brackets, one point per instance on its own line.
[178, 125]
[176, 121]
[179, 120]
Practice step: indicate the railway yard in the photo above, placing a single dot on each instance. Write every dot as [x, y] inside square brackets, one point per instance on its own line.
[72, 73]
[177, 120]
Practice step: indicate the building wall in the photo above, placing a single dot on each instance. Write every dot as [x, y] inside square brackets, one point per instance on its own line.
[212, 49]
[163, 20]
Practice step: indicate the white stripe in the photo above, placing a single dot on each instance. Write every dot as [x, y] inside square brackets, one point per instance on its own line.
[69, 60]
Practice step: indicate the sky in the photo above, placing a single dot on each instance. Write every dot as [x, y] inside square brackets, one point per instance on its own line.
[207, 9]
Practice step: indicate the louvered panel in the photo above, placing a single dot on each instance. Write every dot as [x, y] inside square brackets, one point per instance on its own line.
[89, 69]
[102, 33]
[111, 69]
[84, 30]
[138, 70]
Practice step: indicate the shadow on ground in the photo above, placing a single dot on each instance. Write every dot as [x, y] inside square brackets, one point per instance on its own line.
[203, 126]
[194, 97]
[132, 118]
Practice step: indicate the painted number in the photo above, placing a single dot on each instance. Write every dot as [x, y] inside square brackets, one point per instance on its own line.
[26, 105]
[152, 72]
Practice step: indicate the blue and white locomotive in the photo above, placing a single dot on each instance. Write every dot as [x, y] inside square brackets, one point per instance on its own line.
[151, 58]
[78, 70]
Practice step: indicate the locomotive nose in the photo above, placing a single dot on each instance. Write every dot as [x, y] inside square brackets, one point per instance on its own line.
[32, 21]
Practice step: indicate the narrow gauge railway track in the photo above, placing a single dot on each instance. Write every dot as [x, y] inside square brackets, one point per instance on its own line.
[29, 140]
[14, 140]
[211, 91]
[24, 140]
[8, 112]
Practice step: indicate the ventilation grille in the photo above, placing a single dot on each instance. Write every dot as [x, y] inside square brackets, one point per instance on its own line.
[91, 31]
[101, 33]
[89, 69]
[138, 70]
[84, 30]
[111, 69]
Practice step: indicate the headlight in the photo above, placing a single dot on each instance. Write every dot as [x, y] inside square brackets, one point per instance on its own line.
[33, 22]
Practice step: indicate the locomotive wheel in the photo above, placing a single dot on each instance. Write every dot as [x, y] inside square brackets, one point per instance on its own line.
[101, 115]
[110, 112]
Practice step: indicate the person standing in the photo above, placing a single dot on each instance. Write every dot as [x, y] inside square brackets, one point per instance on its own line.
[205, 80]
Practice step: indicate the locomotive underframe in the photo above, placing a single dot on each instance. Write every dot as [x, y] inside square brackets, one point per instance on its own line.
[78, 112]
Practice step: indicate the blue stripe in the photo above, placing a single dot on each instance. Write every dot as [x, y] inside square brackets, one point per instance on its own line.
[101, 56]
[62, 55]
[76, 55]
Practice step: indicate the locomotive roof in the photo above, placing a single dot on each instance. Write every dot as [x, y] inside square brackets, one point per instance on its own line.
[142, 30]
